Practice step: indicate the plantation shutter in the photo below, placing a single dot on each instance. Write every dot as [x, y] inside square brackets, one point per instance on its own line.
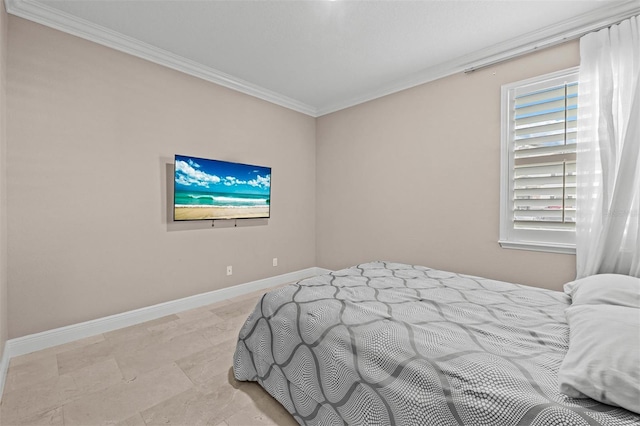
[538, 163]
[544, 156]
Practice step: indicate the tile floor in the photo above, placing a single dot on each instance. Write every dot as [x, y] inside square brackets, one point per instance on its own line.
[175, 370]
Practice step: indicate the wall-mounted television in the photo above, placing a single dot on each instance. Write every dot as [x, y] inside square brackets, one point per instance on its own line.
[211, 189]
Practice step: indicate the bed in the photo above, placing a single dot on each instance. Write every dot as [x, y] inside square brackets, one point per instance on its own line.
[386, 343]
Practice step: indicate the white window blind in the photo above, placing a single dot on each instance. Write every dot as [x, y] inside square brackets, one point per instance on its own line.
[539, 163]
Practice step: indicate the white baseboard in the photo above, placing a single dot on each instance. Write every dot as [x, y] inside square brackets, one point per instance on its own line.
[58, 336]
[4, 366]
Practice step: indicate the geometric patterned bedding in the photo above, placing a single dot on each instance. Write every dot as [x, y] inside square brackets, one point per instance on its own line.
[393, 344]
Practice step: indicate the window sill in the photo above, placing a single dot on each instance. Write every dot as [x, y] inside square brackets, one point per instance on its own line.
[533, 246]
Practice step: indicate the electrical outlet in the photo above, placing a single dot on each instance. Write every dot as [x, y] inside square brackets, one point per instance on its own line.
[275, 261]
[229, 270]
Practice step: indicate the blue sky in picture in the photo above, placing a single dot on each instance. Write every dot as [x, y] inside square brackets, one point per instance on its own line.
[203, 175]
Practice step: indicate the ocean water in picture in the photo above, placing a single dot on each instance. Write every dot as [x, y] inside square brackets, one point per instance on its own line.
[218, 199]
[213, 189]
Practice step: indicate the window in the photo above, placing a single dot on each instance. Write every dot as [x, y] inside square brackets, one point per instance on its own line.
[538, 176]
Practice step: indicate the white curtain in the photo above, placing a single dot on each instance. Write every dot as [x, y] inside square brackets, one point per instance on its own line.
[608, 152]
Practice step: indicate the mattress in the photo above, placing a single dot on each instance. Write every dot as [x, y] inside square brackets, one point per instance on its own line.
[392, 344]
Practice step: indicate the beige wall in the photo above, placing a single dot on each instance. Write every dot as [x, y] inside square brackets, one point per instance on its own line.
[91, 136]
[3, 185]
[415, 177]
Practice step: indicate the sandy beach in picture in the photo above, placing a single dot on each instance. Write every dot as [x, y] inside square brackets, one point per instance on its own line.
[193, 213]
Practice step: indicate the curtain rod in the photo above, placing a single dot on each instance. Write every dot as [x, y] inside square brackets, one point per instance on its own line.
[521, 53]
[512, 53]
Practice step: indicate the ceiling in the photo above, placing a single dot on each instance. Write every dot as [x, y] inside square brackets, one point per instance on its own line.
[316, 56]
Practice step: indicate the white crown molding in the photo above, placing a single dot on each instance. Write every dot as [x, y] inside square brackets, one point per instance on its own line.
[54, 18]
[528, 43]
[58, 336]
[545, 37]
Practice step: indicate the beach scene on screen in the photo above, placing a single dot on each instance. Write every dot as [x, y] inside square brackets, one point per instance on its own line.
[212, 189]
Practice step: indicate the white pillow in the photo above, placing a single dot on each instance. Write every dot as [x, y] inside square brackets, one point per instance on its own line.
[603, 361]
[608, 289]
